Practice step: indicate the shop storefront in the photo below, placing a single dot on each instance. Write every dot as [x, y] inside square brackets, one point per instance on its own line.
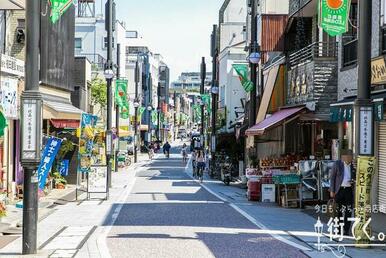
[11, 85]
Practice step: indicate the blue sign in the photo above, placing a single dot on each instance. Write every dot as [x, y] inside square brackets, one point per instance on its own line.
[63, 167]
[51, 149]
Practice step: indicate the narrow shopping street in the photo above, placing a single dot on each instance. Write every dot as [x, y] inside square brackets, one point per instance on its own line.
[167, 214]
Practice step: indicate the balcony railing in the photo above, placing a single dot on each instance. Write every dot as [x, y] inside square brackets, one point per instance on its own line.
[97, 61]
[350, 53]
[296, 5]
[313, 51]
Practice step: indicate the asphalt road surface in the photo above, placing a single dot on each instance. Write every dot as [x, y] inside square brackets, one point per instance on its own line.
[167, 214]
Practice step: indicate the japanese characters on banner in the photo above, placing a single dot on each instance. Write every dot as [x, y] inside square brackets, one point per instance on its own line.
[333, 16]
[366, 168]
[86, 141]
[365, 132]
[58, 7]
[50, 150]
[8, 97]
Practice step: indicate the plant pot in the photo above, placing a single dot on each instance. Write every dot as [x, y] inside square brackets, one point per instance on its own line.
[60, 186]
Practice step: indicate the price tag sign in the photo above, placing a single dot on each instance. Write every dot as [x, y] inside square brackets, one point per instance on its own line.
[365, 132]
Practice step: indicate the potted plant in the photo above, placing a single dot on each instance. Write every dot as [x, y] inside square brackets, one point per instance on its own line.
[60, 182]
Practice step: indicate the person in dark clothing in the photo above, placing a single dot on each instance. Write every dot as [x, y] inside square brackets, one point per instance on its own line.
[166, 149]
[342, 188]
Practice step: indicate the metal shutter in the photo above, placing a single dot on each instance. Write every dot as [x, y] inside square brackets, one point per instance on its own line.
[382, 163]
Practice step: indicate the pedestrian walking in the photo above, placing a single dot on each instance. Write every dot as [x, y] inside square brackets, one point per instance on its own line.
[166, 149]
[200, 164]
[341, 188]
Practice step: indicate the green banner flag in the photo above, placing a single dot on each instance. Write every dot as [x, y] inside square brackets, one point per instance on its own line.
[121, 93]
[154, 116]
[333, 16]
[124, 111]
[207, 100]
[242, 71]
[58, 7]
[3, 123]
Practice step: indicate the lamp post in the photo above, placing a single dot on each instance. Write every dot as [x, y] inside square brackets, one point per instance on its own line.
[214, 91]
[31, 128]
[253, 48]
[117, 109]
[109, 75]
[136, 105]
[202, 91]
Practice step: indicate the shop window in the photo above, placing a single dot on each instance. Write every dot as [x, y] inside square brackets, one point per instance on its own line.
[350, 38]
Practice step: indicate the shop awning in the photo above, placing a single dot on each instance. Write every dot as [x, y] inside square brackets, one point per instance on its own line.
[12, 4]
[268, 90]
[342, 111]
[273, 120]
[60, 110]
[65, 123]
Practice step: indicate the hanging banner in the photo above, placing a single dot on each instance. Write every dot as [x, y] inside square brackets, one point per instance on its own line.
[207, 100]
[63, 167]
[366, 168]
[333, 16]
[50, 150]
[86, 142]
[242, 72]
[8, 97]
[121, 99]
[58, 7]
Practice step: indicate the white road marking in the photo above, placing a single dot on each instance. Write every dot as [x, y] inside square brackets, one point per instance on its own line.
[247, 216]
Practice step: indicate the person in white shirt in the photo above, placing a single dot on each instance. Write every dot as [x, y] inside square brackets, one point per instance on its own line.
[341, 187]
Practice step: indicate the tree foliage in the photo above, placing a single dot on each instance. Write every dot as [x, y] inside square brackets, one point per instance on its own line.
[99, 92]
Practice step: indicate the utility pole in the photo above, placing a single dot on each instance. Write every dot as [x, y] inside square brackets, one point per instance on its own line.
[117, 107]
[202, 91]
[253, 49]
[109, 78]
[31, 125]
[214, 91]
[136, 105]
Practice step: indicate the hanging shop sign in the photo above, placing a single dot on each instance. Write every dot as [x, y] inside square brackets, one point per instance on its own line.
[86, 141]
[365, 132]
[366, 168]
[8, 97]
[378, 71]
[341, 114]
[333, 16]
[58, 8]
[11, 65]
[379, 111]
[242, 71]
[50, 151]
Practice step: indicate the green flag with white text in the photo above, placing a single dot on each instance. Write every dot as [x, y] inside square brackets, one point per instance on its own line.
[121, 99]
[333, 16]
[242, 71]
[58, 7]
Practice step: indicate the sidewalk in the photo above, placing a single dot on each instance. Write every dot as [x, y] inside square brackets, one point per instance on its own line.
[292, 226]
[72, 229]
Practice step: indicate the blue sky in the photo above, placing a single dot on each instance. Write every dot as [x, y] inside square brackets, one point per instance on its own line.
[177, 29]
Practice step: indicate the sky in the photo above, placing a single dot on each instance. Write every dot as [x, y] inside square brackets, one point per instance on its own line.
[179, 30]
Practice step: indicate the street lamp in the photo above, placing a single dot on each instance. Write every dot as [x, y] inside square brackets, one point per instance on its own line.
[319, 231]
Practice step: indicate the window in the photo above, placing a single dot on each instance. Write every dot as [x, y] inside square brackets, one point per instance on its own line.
[105, 45]
[350, 39]
[78, 43]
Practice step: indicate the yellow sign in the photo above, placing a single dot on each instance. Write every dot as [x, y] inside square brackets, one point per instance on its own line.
[365, 171]
[378, 71]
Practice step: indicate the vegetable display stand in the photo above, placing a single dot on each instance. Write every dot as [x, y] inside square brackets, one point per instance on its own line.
[289, 190]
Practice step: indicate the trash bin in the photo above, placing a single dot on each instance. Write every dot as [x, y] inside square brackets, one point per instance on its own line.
[254, 189]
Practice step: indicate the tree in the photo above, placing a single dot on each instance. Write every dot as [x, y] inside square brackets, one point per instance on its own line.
[99, 92]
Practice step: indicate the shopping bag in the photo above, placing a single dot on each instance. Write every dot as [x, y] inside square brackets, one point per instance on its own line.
[332, 208]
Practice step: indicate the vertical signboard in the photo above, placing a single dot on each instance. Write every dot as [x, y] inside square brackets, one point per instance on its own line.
[30, 117]
[365, 132]
[366, 168]
[333, 16]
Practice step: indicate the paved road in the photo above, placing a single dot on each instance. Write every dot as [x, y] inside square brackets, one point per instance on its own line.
[167, 214]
